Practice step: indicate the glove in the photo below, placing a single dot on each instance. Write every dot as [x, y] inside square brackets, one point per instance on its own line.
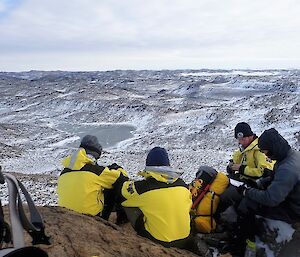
[242, 189]
[251, 183]
[267, 172]
[263, 183]
[228, 168]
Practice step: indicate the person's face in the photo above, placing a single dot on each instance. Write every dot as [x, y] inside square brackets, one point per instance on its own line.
[245, 141]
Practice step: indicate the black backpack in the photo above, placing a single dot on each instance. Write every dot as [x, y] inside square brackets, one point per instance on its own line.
[14, 233]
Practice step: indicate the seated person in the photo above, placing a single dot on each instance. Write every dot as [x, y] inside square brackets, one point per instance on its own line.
[276, 197]
[83, 184]
[248, 161]
[158, 206]
[247, 165]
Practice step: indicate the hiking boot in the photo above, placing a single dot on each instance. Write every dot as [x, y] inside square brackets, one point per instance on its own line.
[226, 236]
[235, 248]
[250, 250]
[220, 228]
[121, 217]
[201, 248]
[261, 252]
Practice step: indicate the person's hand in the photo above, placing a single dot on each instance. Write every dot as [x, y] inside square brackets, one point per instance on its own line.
[229, 169]
[262, 183]
[242, 189]
[251, 183]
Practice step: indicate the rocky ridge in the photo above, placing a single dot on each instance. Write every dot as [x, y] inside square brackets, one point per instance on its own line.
[191, 113]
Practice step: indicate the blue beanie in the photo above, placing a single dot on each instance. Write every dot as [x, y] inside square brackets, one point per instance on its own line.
[158, 157]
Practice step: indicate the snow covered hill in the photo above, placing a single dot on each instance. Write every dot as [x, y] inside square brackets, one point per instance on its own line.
[191, 113]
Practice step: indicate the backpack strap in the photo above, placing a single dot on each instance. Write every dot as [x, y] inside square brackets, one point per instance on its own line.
[5, 234]
[212, 208]
[2, 180]
[16, 226]
[201, 195]
[19, 220]
[25, 251]
[207, 179]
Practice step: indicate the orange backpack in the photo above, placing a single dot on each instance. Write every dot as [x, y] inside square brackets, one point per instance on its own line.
[206, 189]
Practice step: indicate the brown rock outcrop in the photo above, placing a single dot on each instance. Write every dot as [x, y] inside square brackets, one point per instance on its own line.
[77, 235]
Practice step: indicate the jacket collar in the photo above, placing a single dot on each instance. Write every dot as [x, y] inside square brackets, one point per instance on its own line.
[252, 146]
[160, 173]
[77, 160]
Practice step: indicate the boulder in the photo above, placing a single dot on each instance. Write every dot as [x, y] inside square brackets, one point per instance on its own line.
[77, 235]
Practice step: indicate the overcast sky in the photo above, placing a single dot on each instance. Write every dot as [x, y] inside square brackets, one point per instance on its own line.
[153, 34]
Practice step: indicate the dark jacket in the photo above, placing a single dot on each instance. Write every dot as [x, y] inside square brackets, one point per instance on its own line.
[285, 183]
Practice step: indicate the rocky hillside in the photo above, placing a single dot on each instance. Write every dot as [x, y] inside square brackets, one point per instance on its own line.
[76, 235]
[191, 113]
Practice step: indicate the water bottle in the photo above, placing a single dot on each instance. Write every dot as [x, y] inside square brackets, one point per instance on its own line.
[250, 249]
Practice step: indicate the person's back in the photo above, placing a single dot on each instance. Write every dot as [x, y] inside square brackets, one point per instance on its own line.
[82, 181]
[163, 199]
[165, 208]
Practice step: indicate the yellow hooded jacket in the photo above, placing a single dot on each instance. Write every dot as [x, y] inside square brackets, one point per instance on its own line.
[165, 203]
[252, 160]
[80, 185]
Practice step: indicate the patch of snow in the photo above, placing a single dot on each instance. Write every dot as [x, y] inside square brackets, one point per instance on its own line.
[285, 230]
[64, 142]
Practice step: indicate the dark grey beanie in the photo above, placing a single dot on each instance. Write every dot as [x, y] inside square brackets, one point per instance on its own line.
[242, 129]
[91, 145]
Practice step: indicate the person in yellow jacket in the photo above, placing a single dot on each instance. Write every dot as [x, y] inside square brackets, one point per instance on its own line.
[248, 165]
[159, 205]
[248, 161]
[86, 187]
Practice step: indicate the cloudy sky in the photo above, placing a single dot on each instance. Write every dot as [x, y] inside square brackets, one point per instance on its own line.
[141, 34]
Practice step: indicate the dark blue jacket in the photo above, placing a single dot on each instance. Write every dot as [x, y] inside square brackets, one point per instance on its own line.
[285, 183]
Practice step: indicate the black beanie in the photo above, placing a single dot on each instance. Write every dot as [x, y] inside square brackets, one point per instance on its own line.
[242, 129]
[91, 145]
[267, 139]
[274, 143]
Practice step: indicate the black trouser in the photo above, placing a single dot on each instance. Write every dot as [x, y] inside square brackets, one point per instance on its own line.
[230, 197]
[136, 218]
[280, 212]
[110, 204]
[247, 209]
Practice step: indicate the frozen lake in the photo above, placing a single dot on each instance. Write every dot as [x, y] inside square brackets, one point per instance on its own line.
[108, 134]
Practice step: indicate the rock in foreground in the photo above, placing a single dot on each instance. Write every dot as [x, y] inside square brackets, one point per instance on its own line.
[79, 235]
